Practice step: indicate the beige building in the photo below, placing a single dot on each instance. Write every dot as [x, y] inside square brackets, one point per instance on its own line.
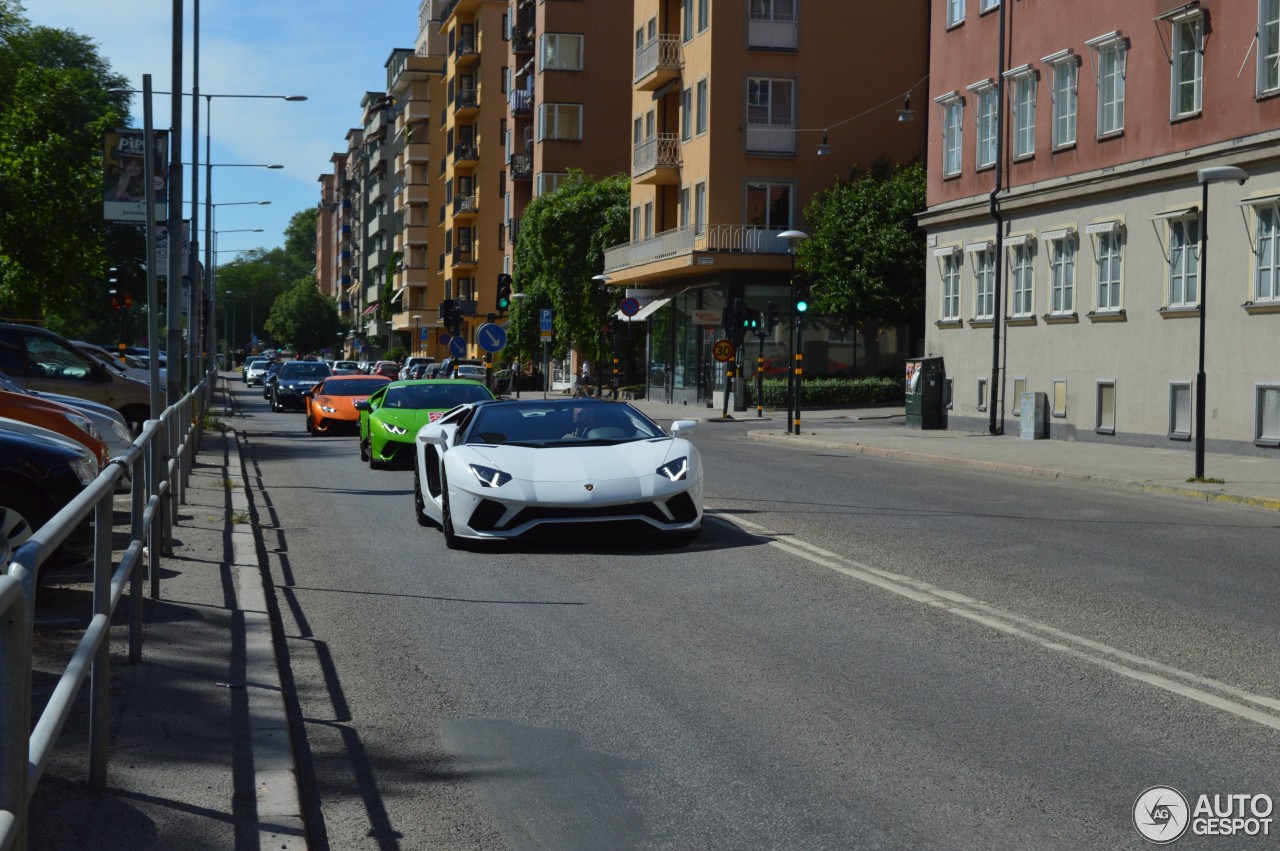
[739, 115]
[1085, 281]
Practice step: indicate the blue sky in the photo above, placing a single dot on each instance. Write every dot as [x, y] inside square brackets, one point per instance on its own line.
[332, 51]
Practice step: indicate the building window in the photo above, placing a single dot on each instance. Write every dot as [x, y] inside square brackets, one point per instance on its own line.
[982, 394]
[688, 19]
[771, 125]
[548, 181]
[1184, 261]
[700, 207]
[1268, 46]
[650, 123]
[1065, 80]
[984, 114]
[686, 115]
[1107, 270]
[1023, 95]
[648, 219]
[1111, 51]
[1266, 283]
[769, 205]
[560, 121]
[702, 107]
[1059, 397]
[561, 52]
[1019, 387]
[1105, 420]
[948, 393]
[951, 287]
[704, 15]
[984, 277]
[955, 12]
[987, 5]
[684, 207]
[1267, 428]
[636, 234]
[1186, 84]
[1180, 410]
[1062, 272]
[952, 132]
[1022, 271]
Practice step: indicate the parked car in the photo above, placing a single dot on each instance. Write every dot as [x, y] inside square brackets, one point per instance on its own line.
[254, 368]
[392, 416]
[273, 369]
[389, 368]
[40, 473]
[126, 365]
[411, 362]
[293, 380]
[38, 359]
[62, 419]
[471, 372]
[503, 469]
[330, 406]
[345, 367]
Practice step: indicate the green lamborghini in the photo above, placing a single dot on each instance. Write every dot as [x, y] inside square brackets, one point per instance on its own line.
[391, 417]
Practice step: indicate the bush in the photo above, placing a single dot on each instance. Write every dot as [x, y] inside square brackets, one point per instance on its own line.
[832, 392]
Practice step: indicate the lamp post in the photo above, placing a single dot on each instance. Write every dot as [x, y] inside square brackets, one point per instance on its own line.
[1205, 176]
[417, 334]
[793, 238]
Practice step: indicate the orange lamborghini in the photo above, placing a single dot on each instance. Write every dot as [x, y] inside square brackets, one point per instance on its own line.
[329, 404]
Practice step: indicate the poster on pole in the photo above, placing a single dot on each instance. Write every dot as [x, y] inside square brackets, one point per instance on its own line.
[124, 184]
[162, 248]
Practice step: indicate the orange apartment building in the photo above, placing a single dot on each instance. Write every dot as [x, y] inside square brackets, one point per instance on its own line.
[729, 108]
[1067, 210]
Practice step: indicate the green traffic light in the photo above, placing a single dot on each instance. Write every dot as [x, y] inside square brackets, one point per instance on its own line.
[802, 304]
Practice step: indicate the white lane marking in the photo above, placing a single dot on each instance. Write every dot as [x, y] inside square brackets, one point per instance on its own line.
[1158, 674]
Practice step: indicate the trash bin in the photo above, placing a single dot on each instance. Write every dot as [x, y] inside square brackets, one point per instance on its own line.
[1033, 408]
[924, 393]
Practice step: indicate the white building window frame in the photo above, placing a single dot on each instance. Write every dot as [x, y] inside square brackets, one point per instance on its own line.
[560, 52]
[955, 13]
[1265, 287]
[1104, 420]
[1266, 428]
[982, 258]
[1019, 387]
[1061, 255]
[558, 122]
[951, 121]
[1064, 89]
[1182, 275]
[1268, 81]
[949, 287]
[1022, 279]
[985, 121]
[1186, 63]
[1108, 240]
[1022, 107]
[982, 394]
[702, 96]
[1110, 61]
[1058, 401]
[1180, 410]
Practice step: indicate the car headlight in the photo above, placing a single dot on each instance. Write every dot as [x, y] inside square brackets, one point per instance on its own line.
[675, 470]
[86, 471]
[489, 477]
[121, 431]
[84, 425]
[395, 429]
[328, 410]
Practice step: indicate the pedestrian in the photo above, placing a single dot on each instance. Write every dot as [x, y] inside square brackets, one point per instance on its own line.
[584, 380]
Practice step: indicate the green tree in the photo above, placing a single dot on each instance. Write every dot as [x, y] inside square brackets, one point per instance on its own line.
[54, 108]
[563, 236]
[866, 253]
[256, 279]
[300, 239]
[303, 318]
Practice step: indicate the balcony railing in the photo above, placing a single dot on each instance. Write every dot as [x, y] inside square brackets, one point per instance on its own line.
[465, 152]
[775, 137]
[521, 101]
[462, 255]
[662, 52]
[772, 31]
[464, 204]
[658, 151]
[464, 49]
[521, 166]
[513, 230]
[683, 241]
[466, 99]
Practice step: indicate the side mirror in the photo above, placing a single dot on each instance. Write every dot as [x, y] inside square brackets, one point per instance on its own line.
[361, 405]
[682, 426]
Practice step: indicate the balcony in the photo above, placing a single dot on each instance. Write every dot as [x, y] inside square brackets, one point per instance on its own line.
[462, 255]
[772, 31]
[416, 193]
[777, 137]
[466, 102]
[416, 234]
[465, 153]
[656, 161]
[513, 230]
[658, 62]
[464, 53]
[521, 166]
[417, 152]
[688, 240]
[521, 102]
[465, 206]
[417, 111]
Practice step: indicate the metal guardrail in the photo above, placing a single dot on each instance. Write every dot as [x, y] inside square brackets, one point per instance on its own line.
[165, 450]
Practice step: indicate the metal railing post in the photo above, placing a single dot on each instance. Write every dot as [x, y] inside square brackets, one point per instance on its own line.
[15, 709]
[100, 672]
[137, 532]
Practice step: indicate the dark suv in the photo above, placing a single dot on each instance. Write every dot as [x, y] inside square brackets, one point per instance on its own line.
[295, 378]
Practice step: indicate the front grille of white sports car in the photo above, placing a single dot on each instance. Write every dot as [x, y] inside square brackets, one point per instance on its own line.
[488, 512]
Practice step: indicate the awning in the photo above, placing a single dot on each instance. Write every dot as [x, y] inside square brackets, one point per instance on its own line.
[655, 305]
[370, 309]
[399, 295]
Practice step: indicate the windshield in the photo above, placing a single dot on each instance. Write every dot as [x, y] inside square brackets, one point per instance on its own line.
[561, 423]
[433, 396]
[304, 370]
[352, 387]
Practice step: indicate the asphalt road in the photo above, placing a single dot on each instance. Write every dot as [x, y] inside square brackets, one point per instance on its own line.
[857, 653]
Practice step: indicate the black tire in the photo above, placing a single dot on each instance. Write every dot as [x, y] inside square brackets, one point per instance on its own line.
[19, 516]
[451, 540]
[311, 429]
[364, 450]
[419, 504]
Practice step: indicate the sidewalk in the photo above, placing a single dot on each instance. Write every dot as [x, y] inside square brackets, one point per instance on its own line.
[882, 432]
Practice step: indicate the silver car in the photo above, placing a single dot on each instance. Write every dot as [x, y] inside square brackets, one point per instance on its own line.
[254, 370]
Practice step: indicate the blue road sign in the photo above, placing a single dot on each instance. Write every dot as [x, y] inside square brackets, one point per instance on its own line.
[491, 337]
[458, 346]
[630, 306]
[544, 319]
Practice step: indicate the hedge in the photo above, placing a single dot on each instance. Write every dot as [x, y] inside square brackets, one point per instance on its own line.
[832, 392]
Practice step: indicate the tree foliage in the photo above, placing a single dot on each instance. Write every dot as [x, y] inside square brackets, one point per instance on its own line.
[563, 236]
[865, 256]
[54, 108]
[303, 318]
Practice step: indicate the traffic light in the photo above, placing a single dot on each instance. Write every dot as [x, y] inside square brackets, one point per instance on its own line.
[449, 315]
[800, 291]
[770, 318]
[751, 320]
[503, 303]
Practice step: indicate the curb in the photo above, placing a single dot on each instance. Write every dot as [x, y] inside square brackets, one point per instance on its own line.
[1018, 469]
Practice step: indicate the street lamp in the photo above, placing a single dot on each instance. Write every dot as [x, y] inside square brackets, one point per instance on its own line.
[793, 238]
[417, 334]
[1205, 176]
